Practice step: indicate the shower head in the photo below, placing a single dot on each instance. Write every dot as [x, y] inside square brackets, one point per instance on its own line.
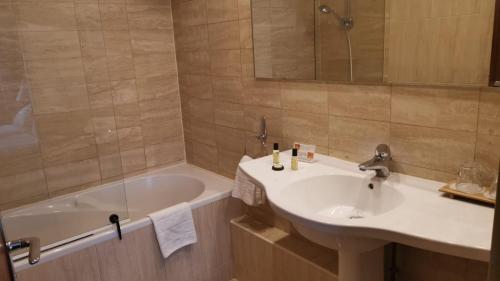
[346, 22]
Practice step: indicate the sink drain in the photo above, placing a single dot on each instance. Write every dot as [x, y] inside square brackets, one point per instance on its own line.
[355, 217]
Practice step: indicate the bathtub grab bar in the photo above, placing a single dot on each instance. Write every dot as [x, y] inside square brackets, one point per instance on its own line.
[33, 243]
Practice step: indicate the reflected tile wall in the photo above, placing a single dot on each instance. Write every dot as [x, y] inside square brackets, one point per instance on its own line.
[88, 94]
[432, 130]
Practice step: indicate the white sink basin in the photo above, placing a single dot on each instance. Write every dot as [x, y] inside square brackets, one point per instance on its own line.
[342, 197]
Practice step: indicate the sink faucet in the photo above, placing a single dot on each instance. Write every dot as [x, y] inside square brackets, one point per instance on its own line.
[380, 162]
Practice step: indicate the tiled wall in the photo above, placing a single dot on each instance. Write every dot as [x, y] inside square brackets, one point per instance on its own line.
[89, 93]
[444, 42]
[431, 130]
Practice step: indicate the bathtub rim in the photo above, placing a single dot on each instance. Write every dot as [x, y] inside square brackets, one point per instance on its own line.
[108, 232]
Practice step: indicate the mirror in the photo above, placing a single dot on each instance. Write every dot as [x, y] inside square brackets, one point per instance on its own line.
[374, 41]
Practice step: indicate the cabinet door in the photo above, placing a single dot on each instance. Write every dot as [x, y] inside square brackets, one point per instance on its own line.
[5, 269]
[495, 52]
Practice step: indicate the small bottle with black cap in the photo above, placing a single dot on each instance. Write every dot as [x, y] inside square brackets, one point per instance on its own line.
[277, 166]
[295, 160]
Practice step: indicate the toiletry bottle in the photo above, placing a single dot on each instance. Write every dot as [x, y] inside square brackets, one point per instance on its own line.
[276, 154]
[295, 160]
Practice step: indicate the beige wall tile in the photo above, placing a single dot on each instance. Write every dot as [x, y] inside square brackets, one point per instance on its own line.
[7, 17]
[149, 17]
[130, 138]
[189, 13]
[222, 10]
[197, 62]
[357, 137]
[110, 165]
[11, 47]
[488, 153]
[225, 63]
[88, 16]
[204, 156]
[152, 41]
[365, 102]
[227, 89]
[224, 35]
[244, 9]
[445, 108]
[113, 16]
[133, 160]
[190, 38]
[72, 174]
[120, 67]
[57, 100]
[437, 149]
[228, 162]
[229, 115]
[230, 139]
[422, 172]
[197, 86]
[489, 113]
[124, 92]
[50, 45]
[246, 41]
[127, 115]
[263, 93]
[56, 72]
[22, 186]
[92, 43]
[45, 16]
[96, 69]
[307, 128]
[153, 65]
[165, 153]
[247, 65]
[117, 43]
[201, 109]
[305, 97]
[253, 120]
[157, 87]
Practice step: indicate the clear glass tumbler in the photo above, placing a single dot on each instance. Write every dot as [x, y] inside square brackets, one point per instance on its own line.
[469, 178]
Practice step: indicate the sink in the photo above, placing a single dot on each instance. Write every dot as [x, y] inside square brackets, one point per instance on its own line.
[332, 203]
[341, 197]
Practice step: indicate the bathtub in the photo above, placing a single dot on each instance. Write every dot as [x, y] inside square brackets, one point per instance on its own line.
[79, 220]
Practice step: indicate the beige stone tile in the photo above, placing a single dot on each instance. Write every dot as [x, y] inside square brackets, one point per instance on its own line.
[305, 128]
[247, 64]
[149, 2]
[88, 16]
[225, 63]
[201, 109]
[80, 266]
[149, 17]
[222, 10]
[488, 154]
[92, 43]
[229, 139]
[56, 72]
[155, 64]
[228, 162]
[224, 35]
[95, 69]
[113, 16]
[50, 45]
[489, 113]
[191, 38]
[152, 41]
[124, 92]
[72, 174]
[437, 149]
[160, 121]
[246, 34]
[13, 73]
[15, 204]
[127, 115]
[202, 132]
[66, 137]
[7, 17]
[262, 93]
[110, 165]
[11, 47]
[244, 9]
[366, 102]
[117, 43]
[130, 138]
[20, 160]
[196, 62]
[422, 172]
[229, 115]
[58, 100]
[120, 68]
[446, 108]
[165, 153]
[305, 97]
[45, 16]
[197, 86]
[357, 137]
[204, 156]
[227, 89]
[189, 13]
[22, 186]
[133, 160]
[157, 87]
[253, 120]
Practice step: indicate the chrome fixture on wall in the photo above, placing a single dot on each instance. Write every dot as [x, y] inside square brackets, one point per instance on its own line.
[32, 243]
[263, 129]
[347, 22]
[380, 163]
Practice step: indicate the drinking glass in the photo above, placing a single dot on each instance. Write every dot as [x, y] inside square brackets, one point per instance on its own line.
[469, 178]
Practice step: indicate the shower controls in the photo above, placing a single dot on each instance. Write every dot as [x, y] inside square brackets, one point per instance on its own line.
[115, 219]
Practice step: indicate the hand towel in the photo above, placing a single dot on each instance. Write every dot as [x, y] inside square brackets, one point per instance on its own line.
[247, 189]
[174, 228]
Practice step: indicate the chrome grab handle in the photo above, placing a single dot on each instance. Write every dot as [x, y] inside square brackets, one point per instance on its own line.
[263, 135]
[32, 243]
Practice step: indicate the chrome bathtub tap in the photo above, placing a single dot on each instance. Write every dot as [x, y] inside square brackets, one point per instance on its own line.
[380, 163]
[33, 243]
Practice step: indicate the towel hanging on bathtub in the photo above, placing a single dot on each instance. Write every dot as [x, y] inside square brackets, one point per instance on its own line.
[174, 228]
[247, 189]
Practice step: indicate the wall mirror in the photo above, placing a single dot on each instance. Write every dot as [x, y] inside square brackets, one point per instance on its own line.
[374, 41]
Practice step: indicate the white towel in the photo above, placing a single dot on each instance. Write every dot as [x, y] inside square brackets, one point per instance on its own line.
[174, 228]
[247, 189]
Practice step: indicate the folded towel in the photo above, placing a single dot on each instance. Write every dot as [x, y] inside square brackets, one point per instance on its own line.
[247, 189]
[174, 228]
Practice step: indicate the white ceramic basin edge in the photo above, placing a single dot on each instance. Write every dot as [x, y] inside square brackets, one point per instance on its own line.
[413, 212]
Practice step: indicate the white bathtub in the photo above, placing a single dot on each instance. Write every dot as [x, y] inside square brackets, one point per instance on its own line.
[72, 222]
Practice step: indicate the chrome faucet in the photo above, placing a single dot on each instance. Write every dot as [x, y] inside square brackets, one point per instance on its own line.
[263, 135]
[380, 163]
[33, 243]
